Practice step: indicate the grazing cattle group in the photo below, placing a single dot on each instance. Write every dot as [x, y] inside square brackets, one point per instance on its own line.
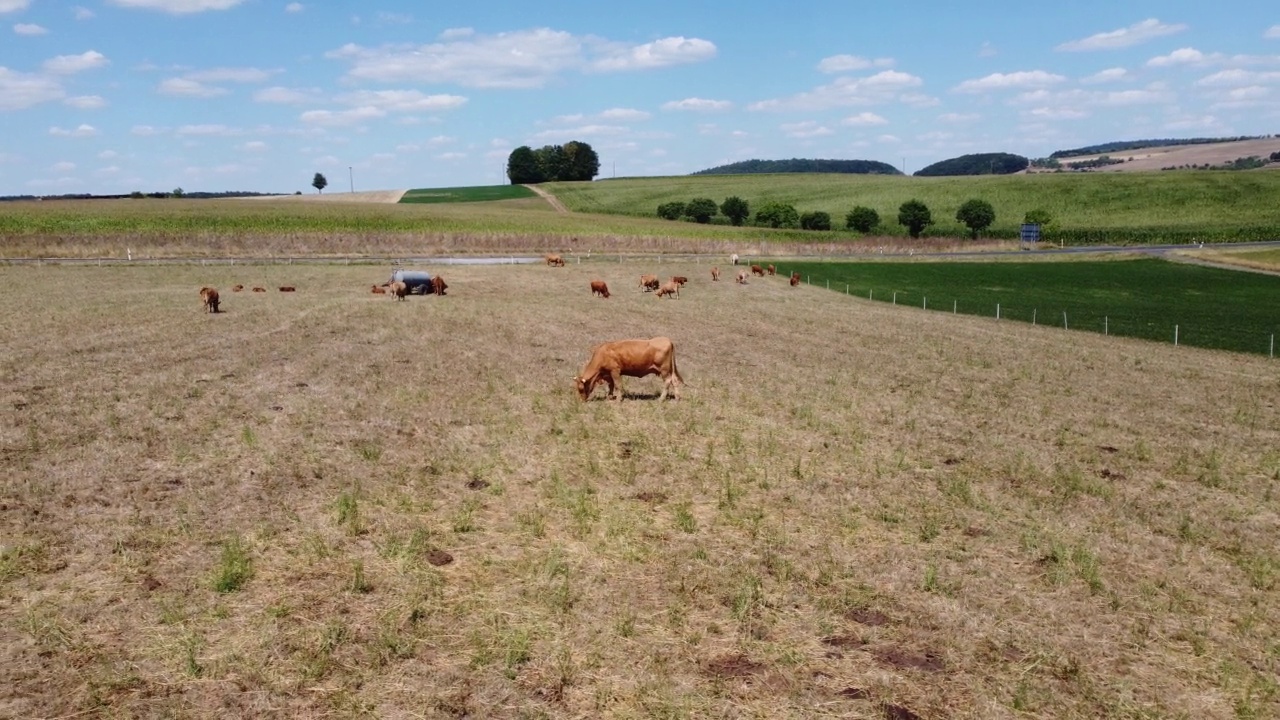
[633, 358]
[598, 287]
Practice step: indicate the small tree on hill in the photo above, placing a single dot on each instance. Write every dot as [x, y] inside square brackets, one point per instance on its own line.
[816, 220]
[671, 210]
[777, 215]
[862, 219]
[523, 168]
[977, 215]
[915, 216]
[1038, 217]
[319, 183]
[701, 210]
[736, 209]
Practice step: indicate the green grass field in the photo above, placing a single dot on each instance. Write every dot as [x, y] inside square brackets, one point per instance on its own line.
[481, 193]
[1209, 307]
[1088, 208]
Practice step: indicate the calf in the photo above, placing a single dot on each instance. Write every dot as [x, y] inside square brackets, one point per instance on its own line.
[795, 279]
[288, 288]
[772, 270]
[438, 285]
[555, 260]
[397, 290]
[378, 290]
[599, 288]
[209, 298]
[671, 288]
[715, 274]
[237, 288]
[633, 358]
[757, 270]
[649, 282]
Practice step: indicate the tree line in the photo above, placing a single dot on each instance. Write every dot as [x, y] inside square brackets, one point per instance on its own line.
[573, 161]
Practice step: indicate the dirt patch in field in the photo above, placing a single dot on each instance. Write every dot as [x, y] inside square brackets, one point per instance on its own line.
[732, 666]
[908, 660]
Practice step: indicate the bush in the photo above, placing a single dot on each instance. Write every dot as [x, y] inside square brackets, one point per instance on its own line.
[816, 220]
[977, 215]
[736, 209]
[862, 219]
[915, 216]
[671, 210]
[777, 215]
[701, 209]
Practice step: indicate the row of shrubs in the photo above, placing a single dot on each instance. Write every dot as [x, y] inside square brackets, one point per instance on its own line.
[915, 216]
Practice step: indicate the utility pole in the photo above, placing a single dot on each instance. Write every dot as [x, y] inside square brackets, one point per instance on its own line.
[904, 165]
[352, 177]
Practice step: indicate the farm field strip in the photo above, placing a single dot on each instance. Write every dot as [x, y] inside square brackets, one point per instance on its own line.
[329, 503]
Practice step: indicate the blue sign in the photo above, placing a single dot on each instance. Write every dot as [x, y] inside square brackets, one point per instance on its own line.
[1030, 232]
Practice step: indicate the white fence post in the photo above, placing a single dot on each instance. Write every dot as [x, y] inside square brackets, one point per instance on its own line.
[997, 311]
[1064, 320]
[1033, 315]
[1175, 336]
[1106, 325]
[954, 305]
[895, 297]
[925, 304]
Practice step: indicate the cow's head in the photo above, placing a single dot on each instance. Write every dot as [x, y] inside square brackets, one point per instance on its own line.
[585, 386]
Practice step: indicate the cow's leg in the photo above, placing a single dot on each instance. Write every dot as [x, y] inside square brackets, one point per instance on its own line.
[614, 378]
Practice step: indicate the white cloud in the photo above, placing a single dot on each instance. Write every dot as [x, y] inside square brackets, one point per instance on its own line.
[82, 13]
[519, 59]
[81, 131]
[69, 64]
[63, 167]
[146, 131]
[283, 95]
[22, 90]
[882, 87]
[1125, 37]
[293, 7]
[566, 134]
[108, 155]
[1239, 78]
[451, 156]
[864, 119]
[958, 117]
[987, 50]
[213, 130]
[1272, 33]
[805, 129]
[624, 115]
[1184, 56]
[29, 29]
[13, 5]
[403, 100]
[241, 75]
[1088, 99]
[86, 102]
[182, 87]
[255, 146]
[848, 63]
[1202, 122]
[1106, 76]
[177, 7]
[697, 105]
[1058, 113]
[1010, 81]
[339, 118]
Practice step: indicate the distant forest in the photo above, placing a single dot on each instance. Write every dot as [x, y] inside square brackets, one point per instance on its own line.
[1124, 145]
[798, 165]
[977, 164]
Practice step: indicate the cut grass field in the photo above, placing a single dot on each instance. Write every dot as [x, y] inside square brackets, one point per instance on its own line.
[1150, 299]
[326, 503]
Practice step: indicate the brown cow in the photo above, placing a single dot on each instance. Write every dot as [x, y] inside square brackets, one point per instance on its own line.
[679, 279]
[671, 288]
[715, 274]
[772, 270]
[397, 290]
[757, 270]
[633, 358]
[378, 290]
[795, 279]
[649, 282]
[555, 260]
[209, 298]
[599, 288]
[259, 289]
[237, 288]
[288, 288]
[438, 285]
[742, 277]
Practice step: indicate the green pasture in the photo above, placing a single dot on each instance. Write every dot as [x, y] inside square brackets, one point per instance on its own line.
[476, 193]
[1147, 298]
[1087, 208]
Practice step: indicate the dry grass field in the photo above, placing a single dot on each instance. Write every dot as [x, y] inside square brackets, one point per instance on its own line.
[329, 504]
[1155, 158]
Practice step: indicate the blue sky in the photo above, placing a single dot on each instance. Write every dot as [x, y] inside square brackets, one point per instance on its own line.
[112, 96]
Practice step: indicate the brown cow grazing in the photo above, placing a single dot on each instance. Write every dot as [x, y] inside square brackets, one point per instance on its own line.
[599, 288]
[772, 270]
[742, 277]
[259, 289]
[288, 288]
[679, 279]
[795, 279]
[757, 270]
[209, 298]
[649, 282]
[671, 288]
[378, 290]
[633, 358]
[438, 285]
[237, 288]
[397, 290]
[715, 274]
[555, 260]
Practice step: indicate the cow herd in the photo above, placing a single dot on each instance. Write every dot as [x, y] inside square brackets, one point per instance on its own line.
[210, 301]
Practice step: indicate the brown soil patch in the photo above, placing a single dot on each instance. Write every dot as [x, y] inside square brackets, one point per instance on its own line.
[732, 666]
[439, 558]
[897, 712]
[908, 660]
[478, 484]
[867, 616]
[854, 693]
[844, 641]
[651, 496]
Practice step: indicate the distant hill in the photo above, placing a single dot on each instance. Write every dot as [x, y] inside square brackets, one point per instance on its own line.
[1123, 145]
[976, 164]
[799, 165]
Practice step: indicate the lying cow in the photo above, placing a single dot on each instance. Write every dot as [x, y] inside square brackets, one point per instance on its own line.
[555, 260]
[378, 290]
[397, 290]
[288, 288]
[795, 279]
[209, 298]
[672, 288]
[649, 282]
[598, 287]
[259, 289]
[715, 274]
[237, 288]
[633, 358]
[438, 285]
[757, 270]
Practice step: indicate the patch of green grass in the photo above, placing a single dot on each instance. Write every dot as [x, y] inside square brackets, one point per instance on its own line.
[235, 567]
[476, 193]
